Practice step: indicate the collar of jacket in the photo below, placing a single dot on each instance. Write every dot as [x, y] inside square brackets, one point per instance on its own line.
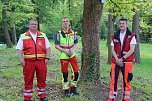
[28, 33]
[116, 35]
[68, 32]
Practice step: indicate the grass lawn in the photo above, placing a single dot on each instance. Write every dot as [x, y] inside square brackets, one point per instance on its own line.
[142, 80]
[11, 78]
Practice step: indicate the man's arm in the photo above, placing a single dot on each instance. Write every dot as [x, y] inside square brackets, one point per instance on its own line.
[19, 48]
[59, 48]
[66, 51]
[57, 44]
[21, 59]
[119, 62]
[47, 46]
[114, 53]
[47, 60]
[73, 49]
[48, 51]
[132, 48]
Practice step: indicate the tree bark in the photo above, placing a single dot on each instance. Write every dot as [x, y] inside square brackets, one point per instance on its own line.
[5, 28]
[135, 29]
[14, 35]
[69, 6]
[90, 71]
[110, 32]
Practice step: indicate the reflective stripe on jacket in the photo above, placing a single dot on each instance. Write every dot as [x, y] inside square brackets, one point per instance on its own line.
[32, 50]
[66, 42]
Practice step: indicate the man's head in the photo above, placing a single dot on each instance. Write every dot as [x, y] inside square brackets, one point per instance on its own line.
[123, 24]
[33, 25]
[65, 22]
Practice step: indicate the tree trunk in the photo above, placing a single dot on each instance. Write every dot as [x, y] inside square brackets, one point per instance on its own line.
[14, 35]
[38, 23]
[5, 28]
[69, 6]
[135, 29]
[110, 32]
[90, 71]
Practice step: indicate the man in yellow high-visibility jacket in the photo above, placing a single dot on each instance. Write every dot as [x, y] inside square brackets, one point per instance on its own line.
[66, 42]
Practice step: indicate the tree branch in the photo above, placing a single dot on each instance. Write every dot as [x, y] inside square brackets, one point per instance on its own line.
[114, 3]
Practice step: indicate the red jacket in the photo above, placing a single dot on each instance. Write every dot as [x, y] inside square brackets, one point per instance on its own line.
[32, 50]
[125, 47]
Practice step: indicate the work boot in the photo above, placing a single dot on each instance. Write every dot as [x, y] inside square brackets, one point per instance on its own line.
[126, 100]
[44, 99]
[67, 93]
[74, 91]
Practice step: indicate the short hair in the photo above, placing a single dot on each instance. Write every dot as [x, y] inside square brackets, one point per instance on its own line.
[123, 19]
[65, 18]
[32, 19]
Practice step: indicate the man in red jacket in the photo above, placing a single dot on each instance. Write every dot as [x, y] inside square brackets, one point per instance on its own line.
[34, 54]
[123, 45]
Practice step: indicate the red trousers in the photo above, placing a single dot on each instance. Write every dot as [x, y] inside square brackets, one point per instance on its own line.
[65, 63]
[74, 72]
[126, 71]
[30, 68]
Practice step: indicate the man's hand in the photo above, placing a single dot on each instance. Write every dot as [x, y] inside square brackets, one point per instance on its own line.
[119, 62]
[22, 62]
[71, 52]
[68, 52]
[47, 61]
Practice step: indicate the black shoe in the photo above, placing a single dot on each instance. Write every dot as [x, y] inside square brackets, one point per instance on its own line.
[74, 91]
[67, 93]
[44, 99]
[26, 100]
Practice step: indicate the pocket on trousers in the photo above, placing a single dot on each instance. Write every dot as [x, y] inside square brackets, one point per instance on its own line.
[130, 76]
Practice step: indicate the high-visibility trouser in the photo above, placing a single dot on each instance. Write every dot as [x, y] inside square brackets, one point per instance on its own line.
[74, 70]
[127, 77]
[28, 71]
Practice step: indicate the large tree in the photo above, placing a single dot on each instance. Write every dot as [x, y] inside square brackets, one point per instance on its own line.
[110, 32]
[90, 70]
[14, 13]
[5, 27]
[135, 29]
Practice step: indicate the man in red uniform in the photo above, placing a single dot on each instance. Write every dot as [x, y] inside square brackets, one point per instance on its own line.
[123, 45]
[66, 42]
[34, 54]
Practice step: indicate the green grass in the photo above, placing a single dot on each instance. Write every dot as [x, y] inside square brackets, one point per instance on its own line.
[142, 72]
[146, 61]
[11, 78]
